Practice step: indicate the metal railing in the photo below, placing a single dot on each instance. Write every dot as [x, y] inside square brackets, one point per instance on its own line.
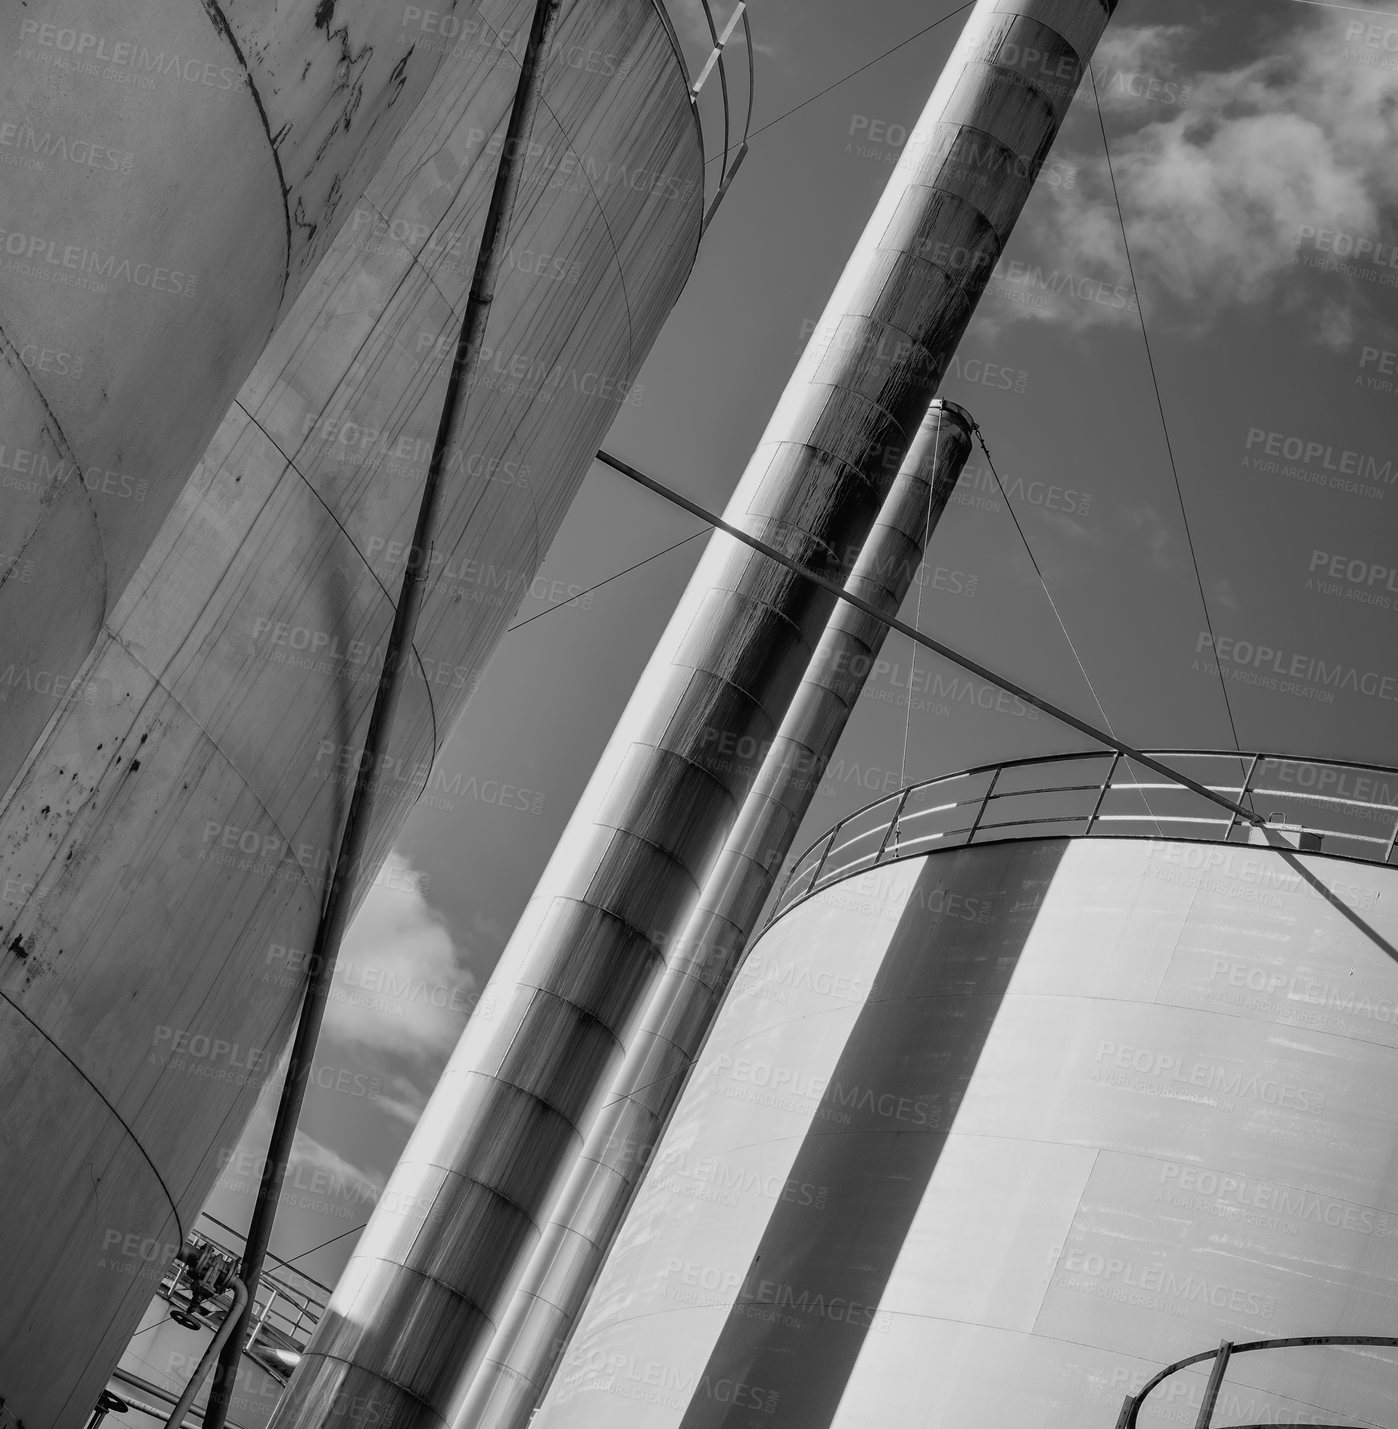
[1343, 809]
[715, 60]
[289, 1302]
[1131, 1409]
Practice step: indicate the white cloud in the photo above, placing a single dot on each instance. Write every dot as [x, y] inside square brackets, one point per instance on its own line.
[344, 1175]
[399, 983]
[1154, 530]
[1216, 194]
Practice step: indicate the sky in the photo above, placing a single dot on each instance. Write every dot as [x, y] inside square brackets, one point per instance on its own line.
[1196, 436]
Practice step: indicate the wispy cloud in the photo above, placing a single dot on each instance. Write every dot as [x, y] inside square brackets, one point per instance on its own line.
[1155, 531]
[1216, 195]
[401, 985]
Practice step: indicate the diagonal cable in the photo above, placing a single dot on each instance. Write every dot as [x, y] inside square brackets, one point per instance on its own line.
[1149, 761]
[835, 84]
[1160, 407]
[548, 610]
[917, 617]
[1053, 606]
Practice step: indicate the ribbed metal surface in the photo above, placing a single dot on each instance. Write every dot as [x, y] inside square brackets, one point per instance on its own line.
[162, 838]
[986, 1137]
[179, 169]
[680, 1012]
[665, 796]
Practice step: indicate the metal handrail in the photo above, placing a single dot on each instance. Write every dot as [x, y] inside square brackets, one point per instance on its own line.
[716, 60]
[1131, 1408]
[830, 867]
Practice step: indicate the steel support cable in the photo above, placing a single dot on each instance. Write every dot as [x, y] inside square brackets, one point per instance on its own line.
[1010, 687]
[548, 610]
[1053, 604]
[1160, 407]
[835, 84]
[917, 614]
[354, 837]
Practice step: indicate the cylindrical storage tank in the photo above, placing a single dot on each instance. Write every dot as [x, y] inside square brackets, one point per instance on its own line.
[164, 851]
[479, 1177]
[574, 1245]
[1032, 1096]
[174, 171]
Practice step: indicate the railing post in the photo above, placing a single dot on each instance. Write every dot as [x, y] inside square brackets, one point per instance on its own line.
[1206, 1409]
[1242, 799]
[985, 799]
[266, 1310]
[1101, 795]
[892, 824]
[824, 854]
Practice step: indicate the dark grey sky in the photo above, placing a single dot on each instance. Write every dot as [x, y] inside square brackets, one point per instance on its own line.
[1250, 141]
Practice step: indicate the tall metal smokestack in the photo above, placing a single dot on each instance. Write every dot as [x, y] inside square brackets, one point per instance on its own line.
[565, 1265]
[420, 1299]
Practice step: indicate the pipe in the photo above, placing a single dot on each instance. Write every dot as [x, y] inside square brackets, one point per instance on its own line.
[562, 1271]
[339, 900]
[430, 1277]
[206, 1360]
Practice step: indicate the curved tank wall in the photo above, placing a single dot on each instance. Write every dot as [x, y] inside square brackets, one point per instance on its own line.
[171, 831]
[989, 1136]
[173, 172]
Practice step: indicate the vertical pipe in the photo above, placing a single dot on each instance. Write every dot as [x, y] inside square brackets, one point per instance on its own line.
[206, 1360]
[433, 1271]
[566, 1263]
[339, 902]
